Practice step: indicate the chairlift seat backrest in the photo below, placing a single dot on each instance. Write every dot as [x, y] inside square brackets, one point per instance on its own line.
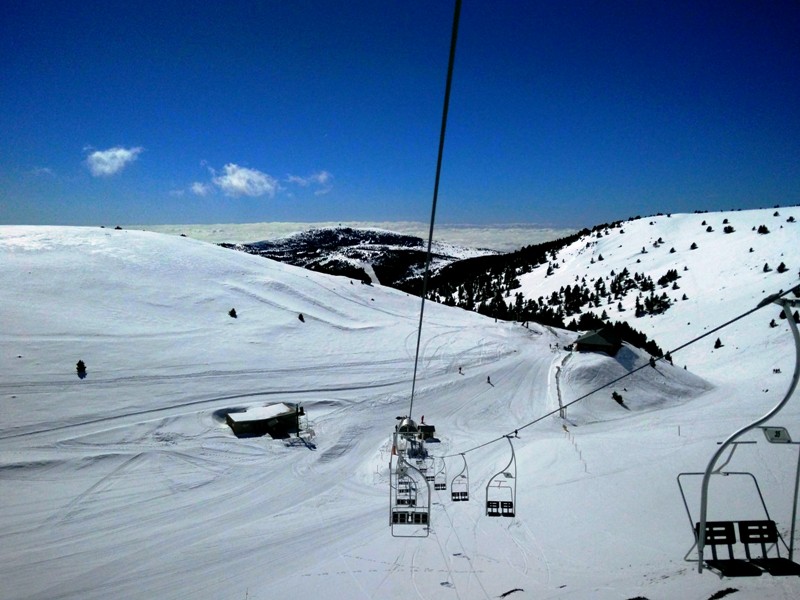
[409, 518]
[758, 532]
[499, 508]
[765, 533]
[723, 533]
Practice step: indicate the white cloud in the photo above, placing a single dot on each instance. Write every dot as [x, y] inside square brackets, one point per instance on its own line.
[322, 179]
[240, 181]
[42, 172]
[201, 189]
[104, 163]
[301, 181]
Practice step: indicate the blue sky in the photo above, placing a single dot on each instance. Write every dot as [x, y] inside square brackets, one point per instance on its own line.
[564, 114]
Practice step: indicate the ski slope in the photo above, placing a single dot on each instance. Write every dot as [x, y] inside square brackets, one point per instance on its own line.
[129, 484]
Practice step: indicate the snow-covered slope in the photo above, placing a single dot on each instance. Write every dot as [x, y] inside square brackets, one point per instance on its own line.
[721, 277]
[128, 483]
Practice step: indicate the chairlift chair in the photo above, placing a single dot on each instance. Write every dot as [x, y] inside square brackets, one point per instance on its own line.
[759, 538]
[764, 534]
[501, 490]
[430, 469]
[459, 486]
[409, 500]
[440, 478]
[759, 533]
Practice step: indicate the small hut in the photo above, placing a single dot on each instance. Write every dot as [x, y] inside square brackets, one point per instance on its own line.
[603, 340]
[427, 432]
[277, 420]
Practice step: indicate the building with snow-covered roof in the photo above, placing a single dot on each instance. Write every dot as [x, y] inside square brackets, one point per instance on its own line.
[277, 420]
[603, 340]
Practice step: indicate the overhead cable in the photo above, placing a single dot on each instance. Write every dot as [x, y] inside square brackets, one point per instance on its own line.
[425, 277]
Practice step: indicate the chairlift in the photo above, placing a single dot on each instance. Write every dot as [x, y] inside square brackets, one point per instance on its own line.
[430, 469]
[501, 490]
[720, 535]
[459, 486]
[409, 500]
[762, 533]
[440, 477]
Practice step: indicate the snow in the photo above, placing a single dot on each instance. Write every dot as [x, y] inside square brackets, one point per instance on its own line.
[722, 278]
[260, 413]
[128, 483]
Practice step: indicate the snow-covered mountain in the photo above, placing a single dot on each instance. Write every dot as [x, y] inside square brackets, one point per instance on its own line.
[128, 483]
[674, 277]
[369, 254]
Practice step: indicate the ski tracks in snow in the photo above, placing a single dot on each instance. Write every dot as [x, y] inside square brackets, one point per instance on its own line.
[462, 553]
[72, 508]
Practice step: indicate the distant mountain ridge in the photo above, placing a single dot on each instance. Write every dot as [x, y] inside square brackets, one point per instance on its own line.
[369, 255]
[630, 272]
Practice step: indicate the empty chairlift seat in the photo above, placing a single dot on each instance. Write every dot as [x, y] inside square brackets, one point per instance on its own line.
[723, 533]
[501, 490]
[764, 534]
[429, 469]
[459, 486]
[409, 501]
[402, 517]
[459, 490]
[499, 508]
[406, 492]
[440, 479]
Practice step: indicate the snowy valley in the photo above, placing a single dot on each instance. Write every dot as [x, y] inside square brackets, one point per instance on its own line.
[128, 483]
